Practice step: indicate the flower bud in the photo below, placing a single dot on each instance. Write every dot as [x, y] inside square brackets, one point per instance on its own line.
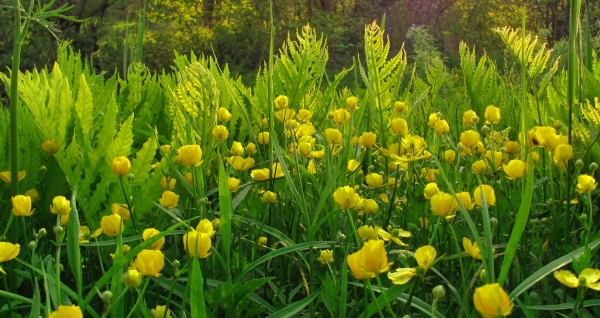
[584, 218]
[42, 232]
[43, 169]
[439, 292]
[32, 245]
[593, 166]
[341, 236]
[485, 129]
[493, 222]
[176, 265]
[579, 164]
[439, 115]
[475, 120]
[130, 177]
[58, 230]
[483, 276]
[107, 296]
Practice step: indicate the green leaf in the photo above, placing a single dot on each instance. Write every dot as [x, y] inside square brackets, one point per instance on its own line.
[295, 308]
[248, 288]
[121, 145]
[84, 106]
[197, 291]
[225, 213]
[142, 164]
[397, 292]
[74, 253]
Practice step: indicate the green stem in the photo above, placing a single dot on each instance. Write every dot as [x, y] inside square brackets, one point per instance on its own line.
[115, 301]
[580, 294]
[407, 305]
[140, 298]
[374, 298]
[387, 303]
[169, 297]
[57, 264]
[128, 204]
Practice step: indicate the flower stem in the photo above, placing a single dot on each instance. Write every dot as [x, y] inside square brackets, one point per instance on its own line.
[128, 205]
[387, 303]
[374, 298]
[140, 298]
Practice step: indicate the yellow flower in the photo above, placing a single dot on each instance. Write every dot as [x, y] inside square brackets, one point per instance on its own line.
[374, 180]
[492, 114]
[169, 199]
[366, 232]
[512, 147]
[311, 167]
[85, 235]
[425, 255]
[402, 275]
[132, 278]
[284, 115]
[67, 312]
[541, 135]
[21, 205]
[352, 103]
[170, 186]
[60, 205]
[586, 184]
[467, 117]
[8, 251]
[430, 190]
[220, 132]
[371, 260]
[333, 136]
[112, 225]
[150, 232]
[223, 114]
[150, 262]
[304, 149]
[488, 193]
[260, 174]
[326, 256]
[442, 127]
[423, 222]
[233, 184]
[367, 139]
[159, 312]
[465, 199]
[269, 197]
[33, 194]
[282, 102]
[449, 156]
[399, 126]
[304, 115]
[190, 155]
[515, 169]
[344, 197]
[263, 138]
[5, 175]
[442, 204]
[396, 234]
[166, 149]
[197, 243]
[479, 166]
[469, 138]
[50, 146]
[206, 226]
[251, 148]
[120, 166]
[431, 174]
[341, 116]
[494, 158]
[433, 119]
[492, 301]
[471, 248]
[563, 153]
[216, 223]
[370, 206]
[240, 164]
[353, 165]
[587, 278]
[400, 106]
[121, 210]
[236, 149]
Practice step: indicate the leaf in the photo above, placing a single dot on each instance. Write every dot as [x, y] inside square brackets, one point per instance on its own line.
[293, 309]
[142, 164]
[74, 253]
[248, 288]
[225, 213]
[197, 290]
[84, 106]
[121, 145]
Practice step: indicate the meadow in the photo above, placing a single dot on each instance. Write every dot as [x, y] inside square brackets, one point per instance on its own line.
[387, 189]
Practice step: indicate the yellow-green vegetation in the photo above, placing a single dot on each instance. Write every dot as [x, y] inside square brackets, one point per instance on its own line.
[441, 192]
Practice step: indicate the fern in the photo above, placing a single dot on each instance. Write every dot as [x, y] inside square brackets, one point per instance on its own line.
[84, 106]
[141, 165]
[121, 145]
[527, 51]
[482, 82]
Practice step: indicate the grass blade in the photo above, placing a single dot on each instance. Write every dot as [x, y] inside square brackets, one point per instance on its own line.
[197, 291]
[293, 309]
[225, 210]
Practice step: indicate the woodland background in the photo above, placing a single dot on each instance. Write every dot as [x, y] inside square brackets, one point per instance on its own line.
[237, 31]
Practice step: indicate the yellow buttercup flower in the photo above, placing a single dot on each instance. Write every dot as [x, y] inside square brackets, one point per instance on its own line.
[430, 190]
[433, 119]
[240, 164]
[166, 149]
[539, 135]
[233, 184]
[251, 148]
[489, 194]
[492, 301]
[479, 166]
[60, 205]
[206, 226]
[442, 204]
[587, 278]
[430, 174]
[236, 149]
[494, 158]
[33, 194]
[8, 251]
[67, 312]
[512, 147]
[112, 225]
[304, 115]
[469, 138]
[465, 199]
[85, 235]
[370, 206]
[341, 116]
[449, 156]
[170, 186]
[399, 126]
[282, 102]
[442, 127]
[400, 106]
[367, 139]
[159, 312]
[169, 199]
[515, 169]
[425, 256]
[122, 210]
[132, 278]
[371, 260]
[304, 149]
[197, 243]
[150, 232]
[150, 262]
[586, 184]
[352, 103]
[21, 205]
[467, 117]
[333, 136]
[284, 115]
[471, 248]
[563, 153]
[269, 197]
[353, 165]
[344, 197]
[190, 155]
[223, 114]
[402, 275]
[120, 166]
[554, 140]
[50, 146]
[263, 138]
[492, 114]
[260, 174]
[220, 132]
[326, 256]
[366, 232]
[374, 180]
[396, 234]
[5, 175]
[312, 168]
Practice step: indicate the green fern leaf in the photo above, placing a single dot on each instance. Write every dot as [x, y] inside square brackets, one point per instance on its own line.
[84, 106]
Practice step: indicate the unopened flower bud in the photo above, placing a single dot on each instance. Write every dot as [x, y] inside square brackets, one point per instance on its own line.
[475, 119]
[584, 217]
[32, 245]
[130, 177]
[43, 169]
[579, 164]
[107, 296]
[176, 265]
[401, 258]
[341, 236]
[493, 222]
[439, 115]
[534, 297]
[483, 276]
[593, 166]
[371, 169]
[485, 129]
[439, 292]
[42, 232]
